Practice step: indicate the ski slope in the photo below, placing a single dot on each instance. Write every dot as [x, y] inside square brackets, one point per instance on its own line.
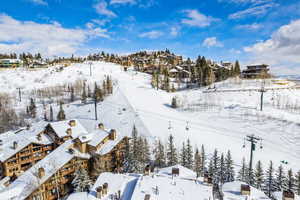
[134, 102]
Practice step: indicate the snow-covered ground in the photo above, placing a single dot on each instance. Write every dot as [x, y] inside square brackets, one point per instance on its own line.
[223, 126]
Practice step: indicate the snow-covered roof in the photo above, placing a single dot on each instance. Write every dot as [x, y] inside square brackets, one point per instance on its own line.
[162, 187]
[173, 70]
[29, 181]
[110, 144]
[115, 183]
[23, 138]
[278, 196]
[61, 127]
[183, 172]
[232, 191]
[98, 137]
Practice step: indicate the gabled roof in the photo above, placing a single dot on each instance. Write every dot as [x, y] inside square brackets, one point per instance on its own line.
[23, 138]
[61, 127]
[98, 137]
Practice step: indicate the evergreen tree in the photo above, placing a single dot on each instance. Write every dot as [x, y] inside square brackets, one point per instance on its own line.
[221, 170]
[160, 158]
[145, 152]
[298, 182]
[171, 152]
[81, 181]
[259, 176]
[270, 185]
[280, 179]
[290, 181]
[189, 155]
[32, 108]
[215, 161]
[229, 169]
[203, 160]
[61, 114]
[210, 168]
[237, 69]
[242, 174]
[198, 163]
[51, 114]
[183, 155]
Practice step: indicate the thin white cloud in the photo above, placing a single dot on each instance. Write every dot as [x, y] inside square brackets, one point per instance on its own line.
[48, 39]
[211, 42]
[151, 34]
[282, 48]
[251, 27]
[101, 8]
[122, 2]
[258, 10]
[195, 18]
[39, 2]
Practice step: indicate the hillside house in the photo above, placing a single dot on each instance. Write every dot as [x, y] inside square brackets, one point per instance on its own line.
[6, 63]
[256, 71]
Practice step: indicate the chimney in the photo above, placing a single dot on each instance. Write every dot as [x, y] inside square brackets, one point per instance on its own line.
[15, 145]
[41, 172]
[72, 123]
[39, 137]
[101, 126]
[112, 134]
[69, 132]
[99, 192]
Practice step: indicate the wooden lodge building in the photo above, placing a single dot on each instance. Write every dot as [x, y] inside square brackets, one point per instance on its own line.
[256, 71]
[40, 161]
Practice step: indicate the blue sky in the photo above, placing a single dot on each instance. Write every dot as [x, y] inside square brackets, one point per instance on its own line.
[248, 30]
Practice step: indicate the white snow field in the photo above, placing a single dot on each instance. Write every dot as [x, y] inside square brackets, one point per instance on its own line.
[222, 126]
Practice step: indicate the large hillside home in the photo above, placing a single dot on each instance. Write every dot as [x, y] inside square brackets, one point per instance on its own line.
[256, 71]
[10, 63]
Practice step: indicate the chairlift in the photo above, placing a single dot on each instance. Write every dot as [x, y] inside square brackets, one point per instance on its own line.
[261, 146]
[244, 145]
[187, 126]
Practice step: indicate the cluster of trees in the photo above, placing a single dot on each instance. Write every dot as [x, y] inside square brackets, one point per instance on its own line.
[9, 119]
[137, 153]
[270, 180]
[219, 166]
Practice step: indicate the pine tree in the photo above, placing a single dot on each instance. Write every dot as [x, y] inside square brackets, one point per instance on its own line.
[242, 174]
[171, 152]
[259, 175]
[290, 181]
[183, 155]
[221, 170]
[203, 160]
[189, 155]
[145, 152]
[210, 168]
[61, 114]
[160, 159]
[298, 182]
[197, 163]
[81, 181]
[32, 108]
[270, 185]
[229, 169]
[51, 114]
[237, 69]
[280, 179]
[215, 161]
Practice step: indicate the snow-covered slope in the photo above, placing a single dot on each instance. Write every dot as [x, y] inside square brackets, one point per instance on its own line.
[223, 126]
